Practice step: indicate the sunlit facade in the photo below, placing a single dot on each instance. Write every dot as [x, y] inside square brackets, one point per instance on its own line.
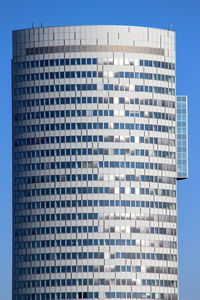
[95, 163]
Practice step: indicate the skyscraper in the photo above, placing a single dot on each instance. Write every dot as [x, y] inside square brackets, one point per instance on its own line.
[97, 151]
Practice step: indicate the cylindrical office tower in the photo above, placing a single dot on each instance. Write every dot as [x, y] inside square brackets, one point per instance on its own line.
[94, 163]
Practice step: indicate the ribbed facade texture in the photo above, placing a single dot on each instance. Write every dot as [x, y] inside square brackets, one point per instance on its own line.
[94, 163]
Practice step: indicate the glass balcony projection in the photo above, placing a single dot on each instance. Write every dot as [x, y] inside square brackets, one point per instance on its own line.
[182, 137]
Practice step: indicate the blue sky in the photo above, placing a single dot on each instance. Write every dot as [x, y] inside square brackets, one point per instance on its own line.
[185, 18]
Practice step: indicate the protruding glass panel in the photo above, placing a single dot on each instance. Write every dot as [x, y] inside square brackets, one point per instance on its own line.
[182, 137]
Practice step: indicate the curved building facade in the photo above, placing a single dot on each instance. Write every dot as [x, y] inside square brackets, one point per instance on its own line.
[94, 163]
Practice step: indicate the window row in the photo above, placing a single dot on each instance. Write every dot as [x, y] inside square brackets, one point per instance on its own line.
[94, 242]
[93, 113]
[56, 230]
[90, 61]
[92, 100]
[88, 268]
[93, 164]
[57, 296]
[111, 216]
[146, 256]
[93, 229]
[140, 88]
[91, 255]
[91, 268]
[54, 62]
[91, 87]
[157, 64]
[93, 190]
[94, 295]
[148, 295]
[94, 125]
[93, 151]
[59, 217]
[92, 139]
[96, 282]
[84, 203]
[92, 177]
[92, 74]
